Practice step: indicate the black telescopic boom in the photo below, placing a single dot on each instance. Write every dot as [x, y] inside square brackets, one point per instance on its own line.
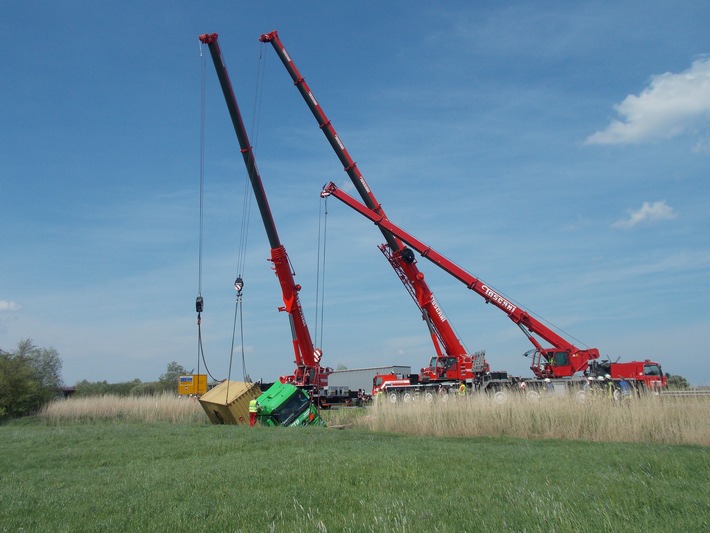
[211, 41]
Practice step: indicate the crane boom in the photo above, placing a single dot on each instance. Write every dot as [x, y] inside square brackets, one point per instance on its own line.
[308, 371]
[400, 258]
[562, 360]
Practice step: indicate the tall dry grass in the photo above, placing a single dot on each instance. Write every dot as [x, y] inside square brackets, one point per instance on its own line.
[650, 419]
[163, 408]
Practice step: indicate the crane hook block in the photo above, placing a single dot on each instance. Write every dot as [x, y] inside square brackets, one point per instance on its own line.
[407, 255]
[199, 304]
[239, 284]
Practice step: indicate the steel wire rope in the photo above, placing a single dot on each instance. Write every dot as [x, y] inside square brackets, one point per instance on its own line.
[244, 228]
[320, 275]
[199, 302]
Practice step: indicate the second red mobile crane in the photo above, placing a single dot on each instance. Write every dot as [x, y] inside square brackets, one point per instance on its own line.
[561, 360]
[452, 361]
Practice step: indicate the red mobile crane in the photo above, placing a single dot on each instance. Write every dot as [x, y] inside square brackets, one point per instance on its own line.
[563, 359]
[309, 373]
[453, 362]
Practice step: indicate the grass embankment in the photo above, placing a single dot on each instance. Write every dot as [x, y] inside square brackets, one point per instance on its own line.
[160, 476]
[155, 464]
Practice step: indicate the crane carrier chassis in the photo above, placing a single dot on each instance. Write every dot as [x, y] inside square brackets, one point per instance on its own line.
[396, 388]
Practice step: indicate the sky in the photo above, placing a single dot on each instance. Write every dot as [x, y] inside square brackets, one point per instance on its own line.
[558, 151]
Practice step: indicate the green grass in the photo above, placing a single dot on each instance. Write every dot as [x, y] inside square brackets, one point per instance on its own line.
[187, 477]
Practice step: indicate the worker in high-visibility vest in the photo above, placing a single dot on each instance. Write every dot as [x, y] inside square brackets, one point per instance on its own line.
[253, 409]
[462, 389]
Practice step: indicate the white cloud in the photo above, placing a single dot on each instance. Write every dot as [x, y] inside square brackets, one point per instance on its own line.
[6, 305]
[649, 213]
[702, 146]
[671, 105]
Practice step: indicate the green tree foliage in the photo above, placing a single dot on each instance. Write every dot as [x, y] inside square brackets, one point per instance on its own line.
[169, 380]
[678, 382]
[29, 378]
[101, 388]
[166, 383]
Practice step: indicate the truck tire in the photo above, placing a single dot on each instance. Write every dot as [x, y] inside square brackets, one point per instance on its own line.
[407, 397]
[533, 396]
[393, 398]
[616, 394]
[581, 396]
[500, 397]
[429, 397]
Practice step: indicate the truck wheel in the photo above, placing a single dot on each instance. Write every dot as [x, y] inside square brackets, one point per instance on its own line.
[581, 396]
[429, 397]
[407, 398]
[393, 398]
[500, 397]
[533, 396]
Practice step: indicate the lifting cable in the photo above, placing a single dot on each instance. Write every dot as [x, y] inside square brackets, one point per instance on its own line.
[320, 273]
[199, 302]
[244, 229]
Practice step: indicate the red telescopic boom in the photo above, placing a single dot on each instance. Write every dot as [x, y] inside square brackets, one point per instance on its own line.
[308, 371]
[562, 360]
[400, 258]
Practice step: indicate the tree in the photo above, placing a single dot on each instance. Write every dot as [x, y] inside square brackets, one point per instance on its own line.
[169, 380]
[29, 378]
[677, 382]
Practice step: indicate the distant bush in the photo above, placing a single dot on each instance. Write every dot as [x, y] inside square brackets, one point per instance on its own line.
[677, 382]
[29, 378]
[167, 383]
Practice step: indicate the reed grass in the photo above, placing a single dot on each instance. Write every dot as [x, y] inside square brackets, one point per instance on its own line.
[649, 419]
[161, 408]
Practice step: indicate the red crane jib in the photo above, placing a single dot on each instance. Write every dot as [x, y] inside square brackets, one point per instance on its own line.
[561, 360]
[442, 332]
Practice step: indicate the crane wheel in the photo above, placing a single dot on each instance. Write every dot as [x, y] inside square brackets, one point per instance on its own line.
[407, 398]
[533, 396]
[429, 397]
[393, 398]
[500, 397]
[581, 396]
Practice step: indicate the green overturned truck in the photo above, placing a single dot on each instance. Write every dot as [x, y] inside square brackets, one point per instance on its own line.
[284, 404]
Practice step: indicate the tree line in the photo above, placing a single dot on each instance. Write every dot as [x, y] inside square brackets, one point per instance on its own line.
[31, 376]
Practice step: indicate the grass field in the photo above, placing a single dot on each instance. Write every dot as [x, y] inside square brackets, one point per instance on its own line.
[124, 474]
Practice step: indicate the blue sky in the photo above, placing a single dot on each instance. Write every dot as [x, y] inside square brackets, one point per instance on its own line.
[558, 152]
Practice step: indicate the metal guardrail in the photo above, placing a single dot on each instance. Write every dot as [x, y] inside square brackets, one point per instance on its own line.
[687, 392]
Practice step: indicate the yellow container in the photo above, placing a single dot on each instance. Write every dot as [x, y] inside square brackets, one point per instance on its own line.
[228, 402]
[195, 384]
